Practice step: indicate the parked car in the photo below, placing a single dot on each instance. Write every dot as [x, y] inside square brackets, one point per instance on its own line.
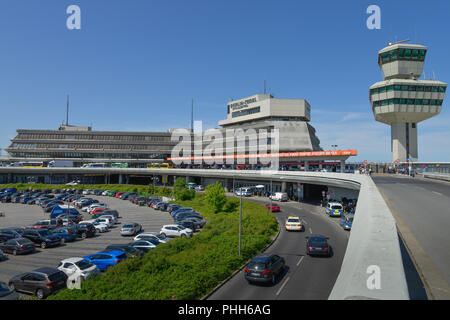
[151, 235]
[293, 223]
[41, 282]
[187, 225]
[99, 226]
[318, 245]
[174, 230]
[264, 268]
[199, 223]
[347, 221]
[130, 229]
[17, 246]
[106, 259]
[45, 224]
[85, 230]
[10, 233]
[78, 268]
[145, 244]
[69, 234]
[43, 238]
[130, 251]
[6, 293]
[279, 196]
[2, 256]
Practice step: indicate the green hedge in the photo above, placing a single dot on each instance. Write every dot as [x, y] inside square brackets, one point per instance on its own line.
[183, 268]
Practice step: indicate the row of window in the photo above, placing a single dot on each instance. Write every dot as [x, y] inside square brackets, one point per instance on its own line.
[47, 136]
[402, 54]
[425, 102]
[89, 155]
[245, 112]
[84, 146]
[400, 87]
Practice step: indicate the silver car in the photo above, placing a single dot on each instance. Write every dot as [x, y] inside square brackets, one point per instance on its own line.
[130, 229]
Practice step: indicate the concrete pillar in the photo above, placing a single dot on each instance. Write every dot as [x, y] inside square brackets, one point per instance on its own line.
[306, 165]
[404, 141]
[120, 178]
[342, 166]
[9, 178]
[283, 186]
[127, 179]
[106, 179]
[66, 177]
[320, 165]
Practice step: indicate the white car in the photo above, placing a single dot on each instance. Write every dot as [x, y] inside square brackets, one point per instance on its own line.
[78, 267]
[86, 192]
[105, 193]
[174, 230]
[293, 224]
[110, 217]
[143, 244]
[153, 235]
[99, 227]
[279, 196]
[94, 206]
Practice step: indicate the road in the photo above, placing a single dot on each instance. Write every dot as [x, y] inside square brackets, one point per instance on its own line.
[422, 211]
[305, 277]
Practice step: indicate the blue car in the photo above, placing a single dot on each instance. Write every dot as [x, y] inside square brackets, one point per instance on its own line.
[68, 234]
[347, 222]
[174, 213]
[106, 259]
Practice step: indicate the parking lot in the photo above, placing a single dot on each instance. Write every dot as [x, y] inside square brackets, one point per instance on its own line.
[21, 215]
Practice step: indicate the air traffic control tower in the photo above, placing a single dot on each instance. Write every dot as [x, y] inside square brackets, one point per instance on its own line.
[402, 100]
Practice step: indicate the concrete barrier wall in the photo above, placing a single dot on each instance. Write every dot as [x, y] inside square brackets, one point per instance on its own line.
[373, 244]
[436, 176]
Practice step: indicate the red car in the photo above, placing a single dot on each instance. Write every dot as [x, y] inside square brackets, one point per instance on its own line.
[97, 210]
[275, 207]
[118, 194]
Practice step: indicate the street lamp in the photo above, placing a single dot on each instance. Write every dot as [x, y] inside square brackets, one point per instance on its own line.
[334, 146]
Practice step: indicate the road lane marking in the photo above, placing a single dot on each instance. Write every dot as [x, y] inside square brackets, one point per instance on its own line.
[278, 292]
[439, 194]
[304, 221]
[299, 261]
[310, 230]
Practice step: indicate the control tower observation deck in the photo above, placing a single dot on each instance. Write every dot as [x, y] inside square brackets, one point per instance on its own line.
[402, 100]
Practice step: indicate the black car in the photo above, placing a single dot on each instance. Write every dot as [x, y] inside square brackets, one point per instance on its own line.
[318, 245]
[85, 230]
[74, 218]
[187, 224]
[43, 238]
[199, 223]
[10, 233]
[17, 246]
[129, 250]
[41, 282]
[264, 268]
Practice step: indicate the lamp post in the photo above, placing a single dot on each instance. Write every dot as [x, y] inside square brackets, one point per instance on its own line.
[334, 146]
[240, 221]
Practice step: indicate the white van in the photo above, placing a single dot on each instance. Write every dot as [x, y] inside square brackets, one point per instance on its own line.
[279, 196]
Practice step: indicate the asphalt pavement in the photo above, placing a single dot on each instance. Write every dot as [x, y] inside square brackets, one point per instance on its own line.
[305, 277]
[421, 208]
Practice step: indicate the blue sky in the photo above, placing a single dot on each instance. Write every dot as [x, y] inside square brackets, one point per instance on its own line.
[136, 65]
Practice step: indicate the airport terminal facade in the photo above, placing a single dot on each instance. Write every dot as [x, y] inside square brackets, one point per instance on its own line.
[258, 112]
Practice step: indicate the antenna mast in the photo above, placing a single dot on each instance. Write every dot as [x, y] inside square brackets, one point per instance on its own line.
[67, 111]
[192, 115]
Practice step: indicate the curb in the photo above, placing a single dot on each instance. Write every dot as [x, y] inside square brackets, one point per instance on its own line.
[240, 268]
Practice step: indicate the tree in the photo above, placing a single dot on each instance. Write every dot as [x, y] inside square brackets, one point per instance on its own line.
[215, 196]
[181, 191]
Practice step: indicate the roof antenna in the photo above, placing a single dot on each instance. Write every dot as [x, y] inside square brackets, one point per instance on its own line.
[434, 75]
[192, 115]
[67, 111]
[264, 86]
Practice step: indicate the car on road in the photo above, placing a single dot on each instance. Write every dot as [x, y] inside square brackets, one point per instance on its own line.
[334, 209]
[130, 229]
[17, 246]
[245, 192]
[347, 221]
[42, 282]
[273, 207]
[293, 223]
[105, 259]
[78, 268]
[174, 230]
[317, 245]
[264, 268]
[6, 293]
[43, 238]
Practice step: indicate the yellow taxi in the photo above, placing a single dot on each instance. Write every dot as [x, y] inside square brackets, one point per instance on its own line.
[293, 224]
